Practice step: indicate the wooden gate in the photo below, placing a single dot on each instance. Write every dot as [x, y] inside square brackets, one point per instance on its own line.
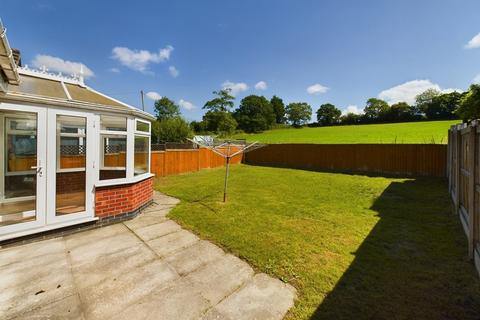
[463, 171]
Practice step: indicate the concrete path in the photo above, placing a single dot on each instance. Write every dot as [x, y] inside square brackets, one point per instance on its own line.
[145, 268]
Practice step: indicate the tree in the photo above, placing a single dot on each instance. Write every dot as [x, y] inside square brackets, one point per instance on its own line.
[278, 108]
[198, 126]
[220, 122]
[223, 101]
[424, 99]
[328, 114]
[254, 114]
[171, 130]
[400, 112]
[443, 106]
[298, 113]
[469, 108]
[351, 118]
[166, 109]
[375, 110]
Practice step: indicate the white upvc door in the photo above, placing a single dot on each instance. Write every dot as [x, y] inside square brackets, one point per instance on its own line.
[71, 166]
[23, 146]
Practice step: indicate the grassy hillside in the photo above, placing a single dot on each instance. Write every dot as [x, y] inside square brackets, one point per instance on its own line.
[412, 132]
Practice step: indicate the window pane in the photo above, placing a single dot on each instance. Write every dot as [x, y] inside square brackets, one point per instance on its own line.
[72, 144]
[71, 154]
[142, 126]
[113, 123]
[114, 157]
[141, 155]
[19, 178]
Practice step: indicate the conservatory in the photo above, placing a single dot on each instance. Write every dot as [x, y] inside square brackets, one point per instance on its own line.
[68, 154]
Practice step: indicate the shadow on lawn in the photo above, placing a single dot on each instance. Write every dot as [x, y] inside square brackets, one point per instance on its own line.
[412, 265]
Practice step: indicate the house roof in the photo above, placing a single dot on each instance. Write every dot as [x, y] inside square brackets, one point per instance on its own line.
[39, 86]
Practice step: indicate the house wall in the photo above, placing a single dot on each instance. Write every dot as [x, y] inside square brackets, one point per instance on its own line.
[120, 199]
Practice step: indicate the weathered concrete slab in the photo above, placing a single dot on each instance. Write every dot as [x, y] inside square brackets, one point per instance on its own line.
[221, 277]
[68, 308]
[143, 221]
[178, 302]
[34, 283]
[112, 265]
[146, 268]
[195, 256]
[157, 230]
[172, 242]
[262, 298]
[114, 294]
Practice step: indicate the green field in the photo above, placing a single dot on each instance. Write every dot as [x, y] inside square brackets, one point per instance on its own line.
[354, 246]
[410, 132]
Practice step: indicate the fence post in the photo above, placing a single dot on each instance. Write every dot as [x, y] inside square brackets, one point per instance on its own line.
[471, 188]
[458, 146]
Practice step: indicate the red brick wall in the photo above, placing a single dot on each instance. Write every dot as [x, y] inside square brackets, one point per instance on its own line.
[115, 200]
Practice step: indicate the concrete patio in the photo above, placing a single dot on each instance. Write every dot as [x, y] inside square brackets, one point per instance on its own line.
[145, 268]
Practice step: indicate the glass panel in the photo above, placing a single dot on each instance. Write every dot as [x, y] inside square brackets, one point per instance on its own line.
[71, 156]
[18, 200]
[141, 155]
[113, 123]
[71, 142]
[143, 126]
[114, 157]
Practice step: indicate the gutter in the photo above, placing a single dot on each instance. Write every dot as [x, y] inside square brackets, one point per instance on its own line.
[7, 63]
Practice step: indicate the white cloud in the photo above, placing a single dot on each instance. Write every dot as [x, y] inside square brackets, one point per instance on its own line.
[186, 104]
[477, 79]
[55, 64]
[406, 92]
[352, 109]
[474, 42]
[114, 70]
[153, 95]
[317, 88]
[173, 71]
[139, 60]
[235, 88]
[261, 85]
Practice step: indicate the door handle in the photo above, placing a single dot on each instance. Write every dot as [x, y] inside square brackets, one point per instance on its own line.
[37, 169]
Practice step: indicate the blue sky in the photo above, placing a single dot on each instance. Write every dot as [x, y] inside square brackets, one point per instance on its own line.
[335, 51]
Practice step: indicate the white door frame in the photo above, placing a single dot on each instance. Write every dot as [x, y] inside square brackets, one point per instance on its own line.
[91, 135]
[41, 194]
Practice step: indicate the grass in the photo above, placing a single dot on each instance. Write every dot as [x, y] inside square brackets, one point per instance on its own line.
[354, 246]
[410, 132]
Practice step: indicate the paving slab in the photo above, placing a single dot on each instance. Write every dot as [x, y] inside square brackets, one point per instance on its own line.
[177, 301]
[143, 221]
[195, 256]
[157, 230]
[218, 279]
[68, 308]
[262, 298]
[112, 295]
[172, 242]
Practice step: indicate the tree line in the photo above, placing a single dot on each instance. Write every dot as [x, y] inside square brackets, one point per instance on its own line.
[257, 113]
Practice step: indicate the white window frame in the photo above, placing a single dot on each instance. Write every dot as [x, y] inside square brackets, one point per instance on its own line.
[130, 157]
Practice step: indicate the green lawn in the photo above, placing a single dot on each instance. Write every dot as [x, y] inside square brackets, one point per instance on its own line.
[354, 246]
[412, 132]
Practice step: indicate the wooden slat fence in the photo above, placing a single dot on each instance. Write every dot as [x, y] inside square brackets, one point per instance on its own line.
[464, 181]
[176, 161]
[401, 159]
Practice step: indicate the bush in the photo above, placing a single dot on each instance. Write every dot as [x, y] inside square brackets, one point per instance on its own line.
[171, 130]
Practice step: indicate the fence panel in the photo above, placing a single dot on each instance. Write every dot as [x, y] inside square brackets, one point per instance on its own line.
[464, 182]
[404, 159]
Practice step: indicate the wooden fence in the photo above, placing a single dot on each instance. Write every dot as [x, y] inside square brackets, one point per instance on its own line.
[401, 159]
[464, 181]
[177, 161]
